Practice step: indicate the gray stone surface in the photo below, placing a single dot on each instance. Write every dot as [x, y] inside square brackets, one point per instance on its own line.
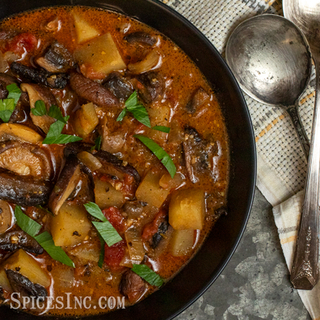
[255, 284]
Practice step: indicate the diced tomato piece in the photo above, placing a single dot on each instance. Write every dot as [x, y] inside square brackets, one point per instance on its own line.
[151, 228]
[115, 217]
[21, 43]
[114, 254]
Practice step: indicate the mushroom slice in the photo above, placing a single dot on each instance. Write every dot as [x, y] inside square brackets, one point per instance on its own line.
[15, 131]
[118, 85]
[22, 284]
[199, 97]
[151, 86]
[84, 190]
[35, 93]
[114, 166]
[58, 80]
[132, 286]
[13, 240]
[123, 177]
[92, 91]
[5, 216]
[25, 159]
[140, 37]
[67, 182]
[199, 153]
[23, 190]
[57, 58]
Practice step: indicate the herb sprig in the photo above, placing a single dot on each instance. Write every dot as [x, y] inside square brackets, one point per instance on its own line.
[8, 105]
[45, 240]
[159, 153]
[138, 110]
[108, 233]
[54, 135]
[147, 274]
[161, 128]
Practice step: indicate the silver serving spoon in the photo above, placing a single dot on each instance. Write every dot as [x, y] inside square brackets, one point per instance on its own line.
[271, 60]
[304, 274]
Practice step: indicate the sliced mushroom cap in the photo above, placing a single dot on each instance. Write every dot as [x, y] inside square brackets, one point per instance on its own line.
[199, 153]
[57, 58]
[92, 91]
[5, 216]
[40, 76]
[140, 37]
[84, 190]
[152, 86]
[198, 98]
[19, 132]
[23, 190]
[132, 286]
[25, 159]
[67, 182]
[38, 92]
[13, 240]
[118, 85]
[24, 286]
[114, 166]
[155, 230]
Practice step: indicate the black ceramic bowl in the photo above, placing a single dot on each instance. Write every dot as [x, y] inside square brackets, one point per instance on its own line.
[218, 248]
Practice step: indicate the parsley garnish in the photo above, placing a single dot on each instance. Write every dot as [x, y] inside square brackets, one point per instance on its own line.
[159, 153]
[54, 135]
[162, 129]
[55, 112]
[147, 274]
[8, 105]
[14, 92]
[45, 240]
[97, 143]
[108, 233]
[139, 112]
[101, 257]
[39, 108]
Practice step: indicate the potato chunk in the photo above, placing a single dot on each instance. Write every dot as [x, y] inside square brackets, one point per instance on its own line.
[150, 191]
[4, 281]
[70, 226]
[181, 242]
[102, 56]
[84, 30]
[107, 196]
[28, 267]
[86, 120]
[186, 209]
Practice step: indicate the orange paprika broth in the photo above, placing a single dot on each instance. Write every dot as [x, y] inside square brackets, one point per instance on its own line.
[197, 143]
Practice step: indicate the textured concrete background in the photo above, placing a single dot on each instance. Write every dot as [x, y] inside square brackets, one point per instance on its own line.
[255, 284]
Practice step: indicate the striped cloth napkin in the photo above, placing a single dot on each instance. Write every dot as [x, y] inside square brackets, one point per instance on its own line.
[281, 162]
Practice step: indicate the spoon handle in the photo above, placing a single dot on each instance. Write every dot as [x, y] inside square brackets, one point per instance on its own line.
[305, 273]
[295, 117]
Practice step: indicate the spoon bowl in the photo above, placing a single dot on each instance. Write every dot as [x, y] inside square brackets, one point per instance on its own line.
[271, 59]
